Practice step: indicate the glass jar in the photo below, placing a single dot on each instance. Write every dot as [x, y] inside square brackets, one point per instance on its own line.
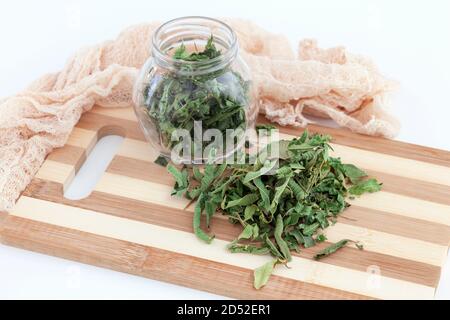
[195, 93]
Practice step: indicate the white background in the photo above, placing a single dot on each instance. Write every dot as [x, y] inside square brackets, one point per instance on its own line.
[409, 40]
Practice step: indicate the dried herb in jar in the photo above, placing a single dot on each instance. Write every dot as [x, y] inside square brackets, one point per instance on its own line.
[179, 98]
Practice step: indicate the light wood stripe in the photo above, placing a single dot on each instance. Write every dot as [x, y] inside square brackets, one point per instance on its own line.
[139, 190]
[393, 245]
[56, 171]
[140, 150]
[178, 219]
[158, 264]
[137, 149]
[373, 240]
[82, 138]
[150, 235]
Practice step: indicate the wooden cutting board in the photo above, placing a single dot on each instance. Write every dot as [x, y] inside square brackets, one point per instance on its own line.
[130, 222]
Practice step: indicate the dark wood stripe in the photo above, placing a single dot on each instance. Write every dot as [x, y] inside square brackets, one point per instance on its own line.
[363, 217]
[70, 155]
[75, 156]
[158, 264]
[138, 169]
[413, 188]
[345, 137]
[352, 258]
[92, 249]
[109, 125]
[147, 170]
[397, 224]
[94, 121]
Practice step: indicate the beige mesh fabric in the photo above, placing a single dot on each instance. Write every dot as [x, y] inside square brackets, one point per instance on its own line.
[329, 83]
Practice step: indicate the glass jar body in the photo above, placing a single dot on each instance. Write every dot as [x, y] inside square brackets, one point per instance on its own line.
[186, 108]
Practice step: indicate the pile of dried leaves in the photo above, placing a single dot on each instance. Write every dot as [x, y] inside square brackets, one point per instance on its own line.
[283, 204]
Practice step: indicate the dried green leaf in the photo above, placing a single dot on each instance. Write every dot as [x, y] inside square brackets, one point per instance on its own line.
[353, 172]
[181, 53]
[263, 273]
[264, 193]
[244, 201]
[331, 249]
[268, 165]
[279, 228]
[181, 180]
[278, 193]
[197, 219]
[247, 233]
[197, 174]
[249, 212]
[309, 229]
[250, 249]
[370, 186]
[321, 238]
[273, 249]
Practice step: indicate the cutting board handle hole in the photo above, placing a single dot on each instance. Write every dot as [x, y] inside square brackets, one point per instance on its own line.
[95, 165]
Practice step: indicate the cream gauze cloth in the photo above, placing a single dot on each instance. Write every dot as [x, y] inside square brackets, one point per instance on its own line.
[329, 83]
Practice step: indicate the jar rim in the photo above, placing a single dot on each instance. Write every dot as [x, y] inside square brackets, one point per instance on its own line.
[199, 66]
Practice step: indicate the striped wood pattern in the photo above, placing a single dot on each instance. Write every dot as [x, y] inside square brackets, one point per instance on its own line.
[130, 222]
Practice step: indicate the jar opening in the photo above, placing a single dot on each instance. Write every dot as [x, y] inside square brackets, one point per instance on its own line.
[194, 32]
